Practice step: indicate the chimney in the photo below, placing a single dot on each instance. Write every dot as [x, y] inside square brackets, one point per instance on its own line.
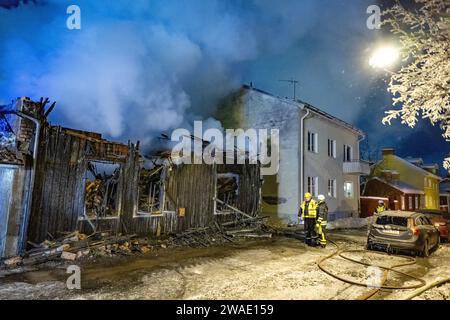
[388, 151]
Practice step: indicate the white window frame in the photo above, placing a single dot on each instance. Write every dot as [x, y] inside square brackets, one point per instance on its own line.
[313, 186]
[313, 142]
[410, 202]
[332, 188]
[346, 146]
[332, 148]
[352, 195]
[416, 201]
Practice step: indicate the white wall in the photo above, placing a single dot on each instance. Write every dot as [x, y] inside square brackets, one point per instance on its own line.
[264, 111]
[258, 110]
[325, 167]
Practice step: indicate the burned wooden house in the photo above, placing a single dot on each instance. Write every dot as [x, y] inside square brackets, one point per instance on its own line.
[56, 180]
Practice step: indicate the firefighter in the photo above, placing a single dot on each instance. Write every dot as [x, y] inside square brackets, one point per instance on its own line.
[380, 207]
[322, 215]
[308, 213]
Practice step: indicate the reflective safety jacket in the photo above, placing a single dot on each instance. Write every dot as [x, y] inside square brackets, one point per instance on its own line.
[380, 209]
[322, 212]
[311, 211]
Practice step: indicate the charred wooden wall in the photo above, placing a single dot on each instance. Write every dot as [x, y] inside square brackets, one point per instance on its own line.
[58, 196]
[58, 200]
[191, 187]
[249, 200]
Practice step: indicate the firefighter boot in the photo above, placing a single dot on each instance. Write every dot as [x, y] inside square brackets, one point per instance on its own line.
[323, 240]
[321, 234]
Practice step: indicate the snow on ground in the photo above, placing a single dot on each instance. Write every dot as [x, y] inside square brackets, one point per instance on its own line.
[278, 268]
[26, 291]
[349, 223]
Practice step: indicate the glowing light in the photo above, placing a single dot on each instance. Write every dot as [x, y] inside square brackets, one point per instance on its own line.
[384, 57]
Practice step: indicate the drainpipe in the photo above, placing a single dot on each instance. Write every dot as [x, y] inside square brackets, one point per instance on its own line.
[24, 226]
[359, 180]
[302, 166]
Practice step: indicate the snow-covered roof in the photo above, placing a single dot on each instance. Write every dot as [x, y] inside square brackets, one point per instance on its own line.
[431, 166]
[374, 198]
[412, 166]
[313, 109]
[416, 161]
[401, 186]
[390, 171]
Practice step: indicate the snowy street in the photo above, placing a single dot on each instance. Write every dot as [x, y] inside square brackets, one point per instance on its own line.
[278, 268]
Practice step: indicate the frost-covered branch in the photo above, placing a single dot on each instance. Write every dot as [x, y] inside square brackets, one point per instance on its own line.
[421, 88]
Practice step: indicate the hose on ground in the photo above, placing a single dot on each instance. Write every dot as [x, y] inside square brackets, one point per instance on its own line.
[428, 287]
[421, 286]
[340, 252]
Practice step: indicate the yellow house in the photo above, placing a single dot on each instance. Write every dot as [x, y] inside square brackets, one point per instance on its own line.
[413, 173]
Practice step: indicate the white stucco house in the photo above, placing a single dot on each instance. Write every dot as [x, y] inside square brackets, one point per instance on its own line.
[319, 153]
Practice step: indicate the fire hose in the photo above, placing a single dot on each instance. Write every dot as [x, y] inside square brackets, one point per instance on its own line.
[421, 284]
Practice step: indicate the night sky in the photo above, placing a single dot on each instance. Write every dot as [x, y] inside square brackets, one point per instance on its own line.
[139, 68]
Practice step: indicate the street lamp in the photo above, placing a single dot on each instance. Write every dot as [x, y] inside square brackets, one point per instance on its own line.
[384, 57]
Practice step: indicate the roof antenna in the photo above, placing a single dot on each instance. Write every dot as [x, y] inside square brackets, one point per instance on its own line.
[293, 82]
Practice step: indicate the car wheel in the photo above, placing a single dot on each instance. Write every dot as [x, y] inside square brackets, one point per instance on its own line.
[426, 249]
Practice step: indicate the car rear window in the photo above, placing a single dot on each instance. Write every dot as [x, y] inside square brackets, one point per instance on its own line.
[396, 221]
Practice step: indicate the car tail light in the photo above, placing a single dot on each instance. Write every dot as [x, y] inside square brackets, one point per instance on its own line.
[416, 231]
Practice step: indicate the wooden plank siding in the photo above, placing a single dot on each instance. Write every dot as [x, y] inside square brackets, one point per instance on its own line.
[58, 199]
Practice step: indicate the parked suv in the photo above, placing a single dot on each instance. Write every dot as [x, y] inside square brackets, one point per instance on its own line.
[403, 231]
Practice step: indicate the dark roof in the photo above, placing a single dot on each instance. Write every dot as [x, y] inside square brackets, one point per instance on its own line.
[313, 109]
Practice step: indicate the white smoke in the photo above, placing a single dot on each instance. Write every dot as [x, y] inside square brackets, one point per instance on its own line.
[138, 68]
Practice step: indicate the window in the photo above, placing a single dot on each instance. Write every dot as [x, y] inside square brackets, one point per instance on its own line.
[425, 221]
[416, 198]
[227, 186]
[313, 186]
[418, 221]
[392, 220]
[150, 191]
[313, 142]
[348, 189]
[332, 188]
[332, 148]
[410, 202]
[348, 153]
[101, 198]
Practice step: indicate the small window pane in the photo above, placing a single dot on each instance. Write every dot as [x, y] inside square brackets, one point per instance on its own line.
[348, 189]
